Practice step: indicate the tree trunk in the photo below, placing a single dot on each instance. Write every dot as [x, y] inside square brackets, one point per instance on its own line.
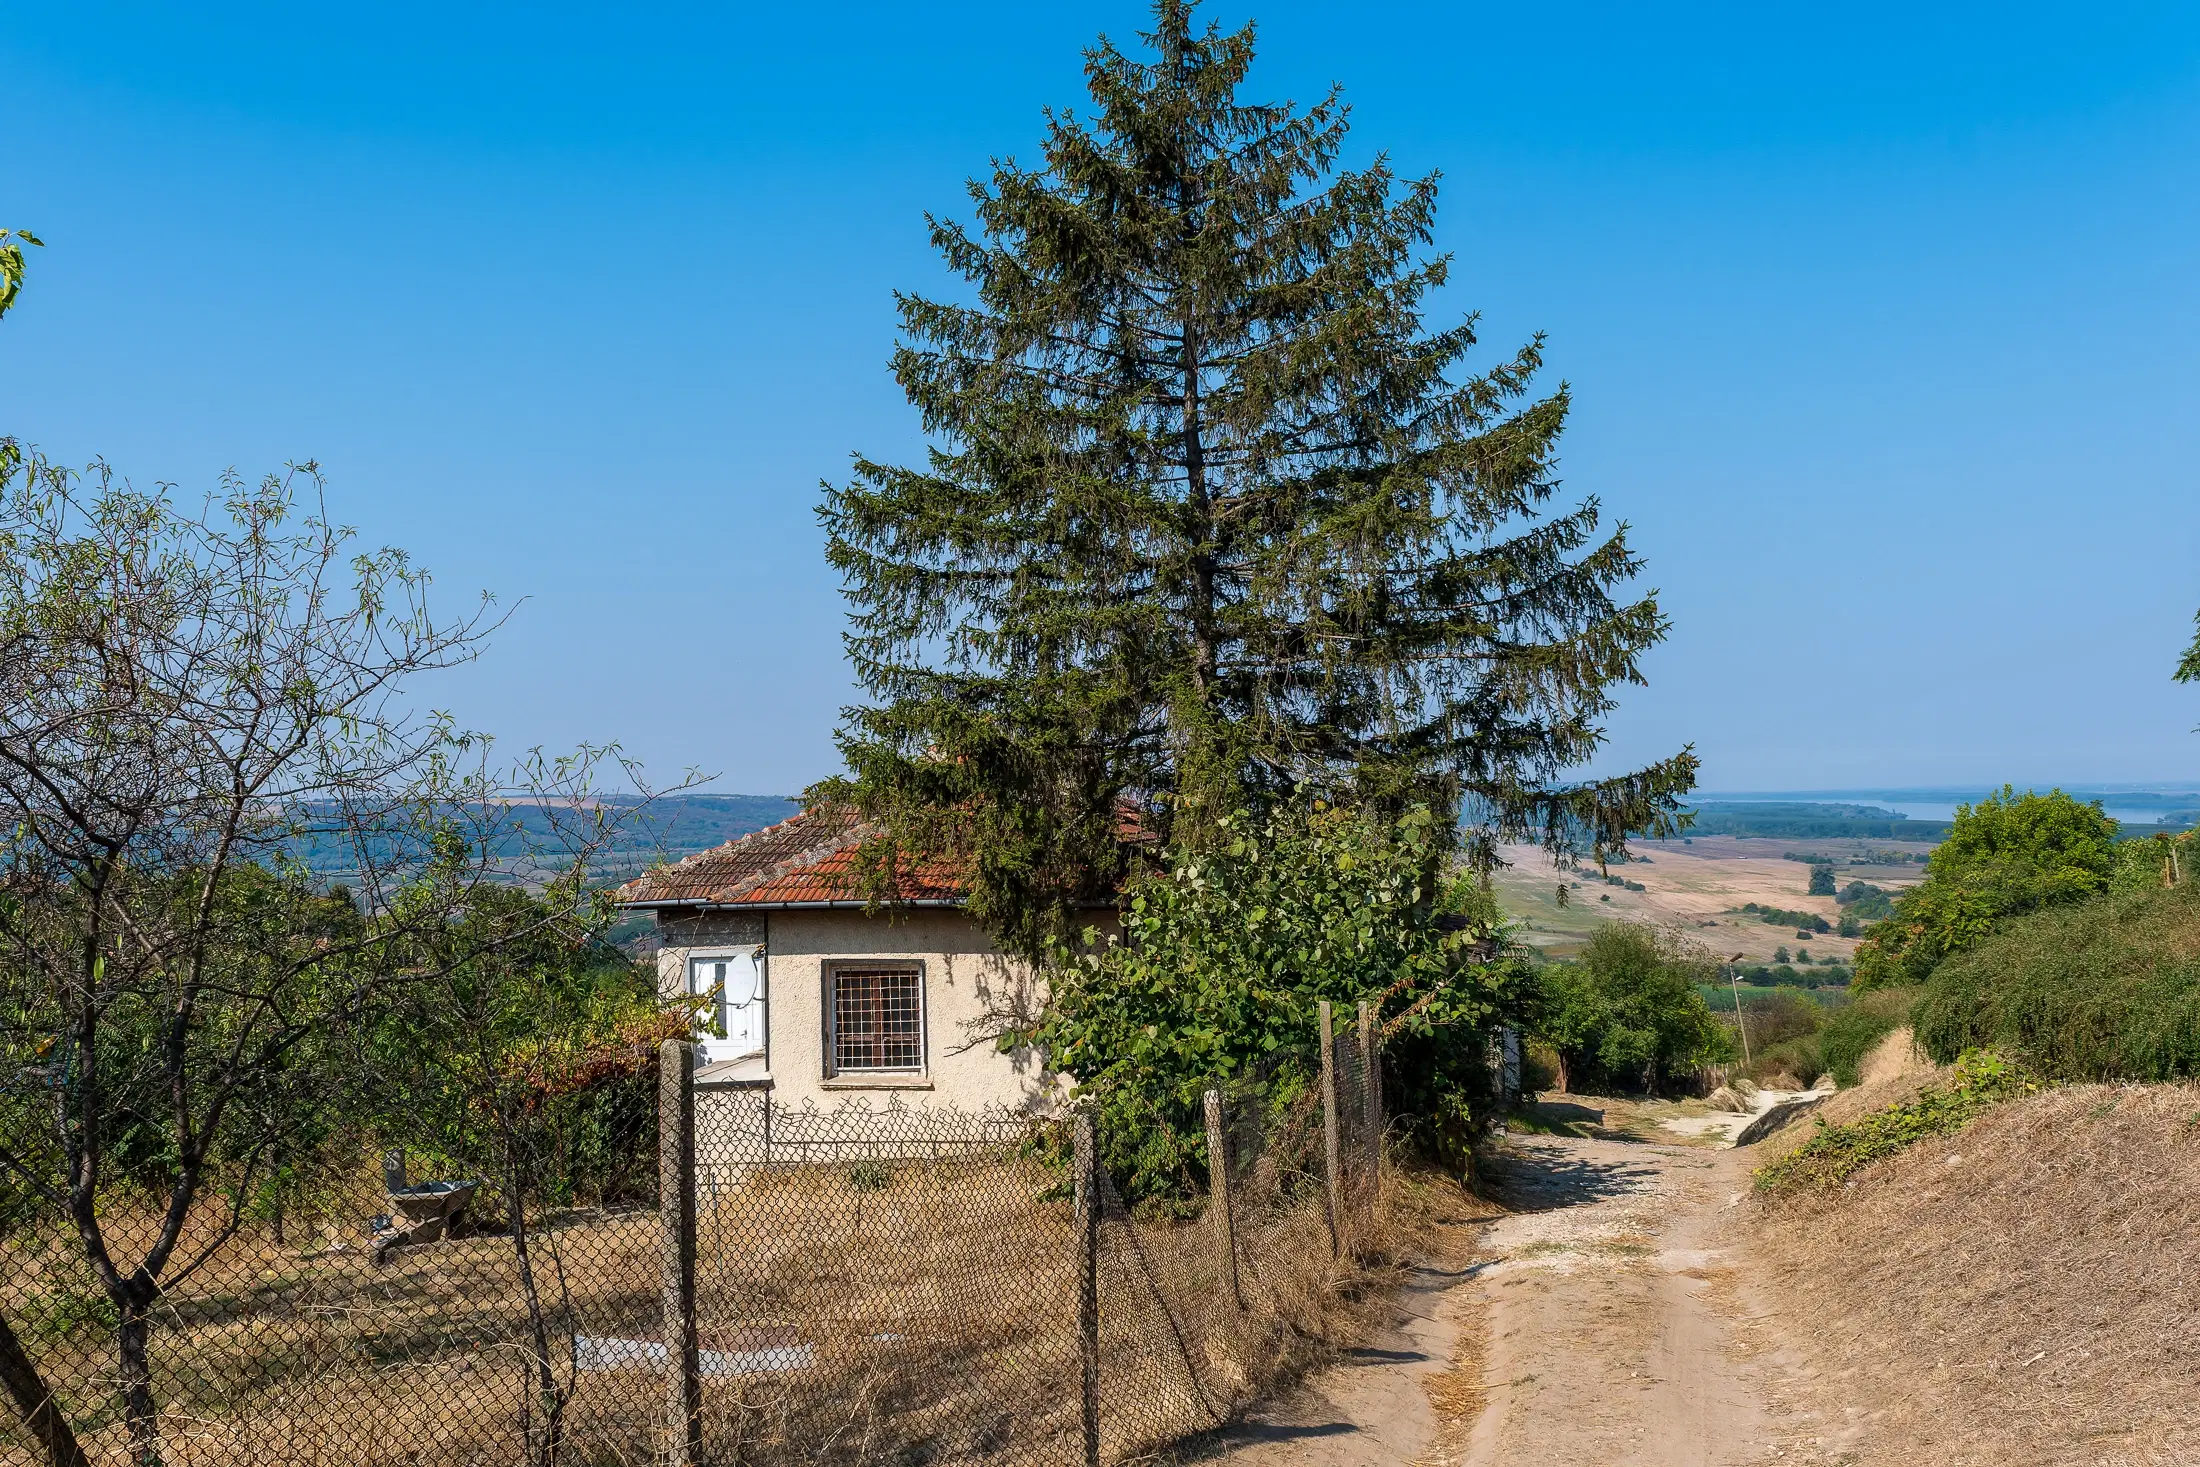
[40, 1412]
[1565, 1075]
[137, 1384]
[542, 1446]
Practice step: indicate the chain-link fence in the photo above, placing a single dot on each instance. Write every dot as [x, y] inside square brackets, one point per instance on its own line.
[874, 1283]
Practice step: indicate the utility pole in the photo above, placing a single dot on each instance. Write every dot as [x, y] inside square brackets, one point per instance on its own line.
[1740, 1023]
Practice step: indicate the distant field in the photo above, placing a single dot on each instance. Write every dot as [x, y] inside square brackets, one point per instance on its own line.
[1697, 885]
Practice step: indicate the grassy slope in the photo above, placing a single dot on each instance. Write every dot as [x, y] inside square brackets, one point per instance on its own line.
[2018, 1292]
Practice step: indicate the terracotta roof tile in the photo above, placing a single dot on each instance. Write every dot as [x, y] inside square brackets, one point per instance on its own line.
[809, 858]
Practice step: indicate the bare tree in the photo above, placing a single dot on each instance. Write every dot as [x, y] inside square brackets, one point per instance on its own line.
[203, 713]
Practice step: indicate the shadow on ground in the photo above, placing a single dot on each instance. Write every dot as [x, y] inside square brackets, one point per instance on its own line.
[1532, 1177]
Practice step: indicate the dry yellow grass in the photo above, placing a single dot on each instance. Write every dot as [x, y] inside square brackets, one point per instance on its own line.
[926, 1307]
[1696, 886]
[2021, 1292]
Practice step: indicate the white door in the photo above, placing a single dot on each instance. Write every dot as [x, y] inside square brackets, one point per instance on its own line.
[733, 1015]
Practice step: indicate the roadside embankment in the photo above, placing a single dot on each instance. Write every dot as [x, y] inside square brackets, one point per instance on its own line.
[2019, 1291]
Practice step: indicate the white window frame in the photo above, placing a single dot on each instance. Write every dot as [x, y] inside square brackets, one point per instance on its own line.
[834, 1070]
[712, 1024]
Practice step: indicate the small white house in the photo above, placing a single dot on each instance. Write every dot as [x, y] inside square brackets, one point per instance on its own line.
[815, 997]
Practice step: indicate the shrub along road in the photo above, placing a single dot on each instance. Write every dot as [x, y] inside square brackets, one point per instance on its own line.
[1606, 1318]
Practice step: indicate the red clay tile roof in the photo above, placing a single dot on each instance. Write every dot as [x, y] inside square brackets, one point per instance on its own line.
[810, 858]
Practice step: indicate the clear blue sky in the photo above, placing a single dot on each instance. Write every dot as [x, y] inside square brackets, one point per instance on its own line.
[1882, 321]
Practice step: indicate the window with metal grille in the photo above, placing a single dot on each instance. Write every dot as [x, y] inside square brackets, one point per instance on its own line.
[878, 1019]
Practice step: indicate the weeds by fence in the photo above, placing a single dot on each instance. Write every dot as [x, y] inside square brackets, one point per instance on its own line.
[870, 1284]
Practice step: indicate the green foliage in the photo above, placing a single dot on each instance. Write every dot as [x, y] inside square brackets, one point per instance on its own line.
[2153, 861]
[1211, 515]
[2188, 666]
[1821, 881]
[1799, 1058]
[530, 1052]
[1627, 1012]
[1222, 957]
[1864, 902]
[2106, 990]
[1781, 1014]
[1783, 1033]
[11, 264]
[1763, 982]
[1811, 820]
[1784, 917]
[1837, 1153]
[1831, 974]
[2004, 856]
[1852, 1030]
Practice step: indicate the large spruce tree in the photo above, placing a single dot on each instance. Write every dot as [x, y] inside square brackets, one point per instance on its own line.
[1211, 515]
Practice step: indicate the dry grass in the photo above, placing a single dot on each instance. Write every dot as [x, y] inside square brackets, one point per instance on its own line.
[928, 1305]
[2020, 1292]
[1697, 885]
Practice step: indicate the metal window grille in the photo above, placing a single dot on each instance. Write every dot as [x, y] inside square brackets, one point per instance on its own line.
[877, 1019]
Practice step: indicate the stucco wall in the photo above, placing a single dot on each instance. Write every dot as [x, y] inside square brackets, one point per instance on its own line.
[968, 989]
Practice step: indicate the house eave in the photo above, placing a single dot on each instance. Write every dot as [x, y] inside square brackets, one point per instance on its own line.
[842, 906]
[947, 903]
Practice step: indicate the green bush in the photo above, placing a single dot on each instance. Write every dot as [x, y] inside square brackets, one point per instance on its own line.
[1865, 902]
[1801, 1057]
[1854, 1029]
[1783, 917]
[1837, 1153]
[1783, 1035]
[1222, 960]
[2106, 990]
[1628, 1012]
[2007, 855]
[1782, 1014]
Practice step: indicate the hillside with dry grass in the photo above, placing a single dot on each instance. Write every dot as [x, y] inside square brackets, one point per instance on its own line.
[1699, 885]
[2021, 1291]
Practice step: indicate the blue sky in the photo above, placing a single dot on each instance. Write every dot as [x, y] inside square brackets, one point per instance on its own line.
[1881, 321]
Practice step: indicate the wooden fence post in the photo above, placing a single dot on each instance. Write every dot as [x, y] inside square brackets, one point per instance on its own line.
[1329, 1126]
[1218, 1197]
[1371, 1099]
[1086, 1156]
[676, 1250]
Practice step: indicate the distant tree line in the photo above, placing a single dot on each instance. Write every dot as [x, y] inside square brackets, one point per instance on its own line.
[1782, 917]
[1812, 822]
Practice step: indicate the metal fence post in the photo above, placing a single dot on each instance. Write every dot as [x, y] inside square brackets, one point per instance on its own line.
[1087, 1159]
[1218, 1197]
[1329, 1126]
[1371, 1099]
[676, 1249]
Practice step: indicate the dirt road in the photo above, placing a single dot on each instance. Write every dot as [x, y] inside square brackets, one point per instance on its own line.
[1601, 1321]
